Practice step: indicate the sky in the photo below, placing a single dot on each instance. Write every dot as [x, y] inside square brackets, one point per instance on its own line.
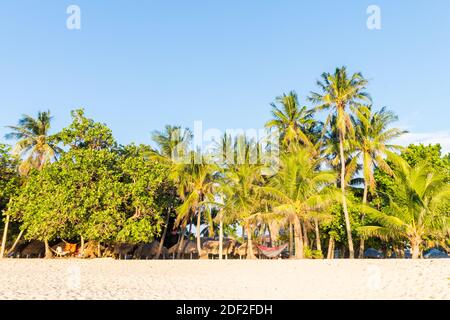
[139, 65]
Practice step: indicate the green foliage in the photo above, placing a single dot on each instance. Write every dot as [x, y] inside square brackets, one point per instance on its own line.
[312, 254]
[417, 207]
[97, 194]
[85, 133]
[9, 177]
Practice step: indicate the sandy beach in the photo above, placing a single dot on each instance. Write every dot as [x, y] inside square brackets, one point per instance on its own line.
[229, 279]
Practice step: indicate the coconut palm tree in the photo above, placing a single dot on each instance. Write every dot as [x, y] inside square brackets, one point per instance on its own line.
[194, 181]
[415, 207]
[295, 123]
[173, 142]
[241, 202]
[34, 145]
[372, 141]
[301, 191]
[339, 92]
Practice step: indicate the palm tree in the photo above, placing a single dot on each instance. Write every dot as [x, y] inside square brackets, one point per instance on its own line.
[295, 123]
[36, 147]
[195, 181]
[34, 144]
[173, 142]
[301, 191]
[372, 137]
[415, 208]
[338, 93]
[239, 188]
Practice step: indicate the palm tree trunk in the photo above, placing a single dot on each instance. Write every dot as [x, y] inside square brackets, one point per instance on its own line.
[5, 234]
[180, 248]
[361, 242]
[15, 242]
[305, 235]
[199, 245]
[330, 254]
[221, 239]
[250, 253]
[344, 198]
[99, 250]
[163, 237]
[415, 246]
[318, 244]
[298, 238]
[291, 240]
[82, 247]
[48, 252]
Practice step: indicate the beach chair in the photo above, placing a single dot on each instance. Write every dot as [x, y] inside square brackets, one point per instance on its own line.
[60, 253]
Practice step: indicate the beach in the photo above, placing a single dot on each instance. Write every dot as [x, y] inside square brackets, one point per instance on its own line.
[226, 279]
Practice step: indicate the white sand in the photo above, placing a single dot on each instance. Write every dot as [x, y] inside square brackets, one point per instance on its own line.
[231, 279]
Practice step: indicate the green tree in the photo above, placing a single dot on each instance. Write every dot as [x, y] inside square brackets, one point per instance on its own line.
[301, 191]
[339, 92]
[85, 133]
[173, 142]
[9, 185]
[34, 144]
[296, 124]
[372, 142]
[195, 180]
[416, 208]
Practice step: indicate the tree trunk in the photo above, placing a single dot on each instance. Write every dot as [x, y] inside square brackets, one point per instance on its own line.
[415, 246]
[180, 248]
[5, 234]
[305, 235]
[221, 239]
[291, 240]
[344, 198]
[318, 244]
[298, 238]
[330, 254]
[99, 250]
[250, 253]
[199, 244]
[48, 252]
[15, 242]
[163, 237]
[361, 242]
[82, 247]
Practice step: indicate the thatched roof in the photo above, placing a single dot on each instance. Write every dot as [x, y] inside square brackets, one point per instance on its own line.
[189, 247]
[212, 246]
[34, 248]
[242, 249]
[149, 250]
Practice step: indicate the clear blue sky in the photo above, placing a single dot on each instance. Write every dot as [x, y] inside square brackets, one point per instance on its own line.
[138, 65]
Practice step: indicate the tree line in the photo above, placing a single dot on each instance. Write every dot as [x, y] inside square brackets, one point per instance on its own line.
[339, 181]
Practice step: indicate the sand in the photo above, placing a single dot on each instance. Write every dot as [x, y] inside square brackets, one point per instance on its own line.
[228, 279]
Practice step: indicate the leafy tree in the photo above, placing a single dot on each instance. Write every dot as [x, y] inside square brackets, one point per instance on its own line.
[9, 185]
[85, 133]
[145, 190]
